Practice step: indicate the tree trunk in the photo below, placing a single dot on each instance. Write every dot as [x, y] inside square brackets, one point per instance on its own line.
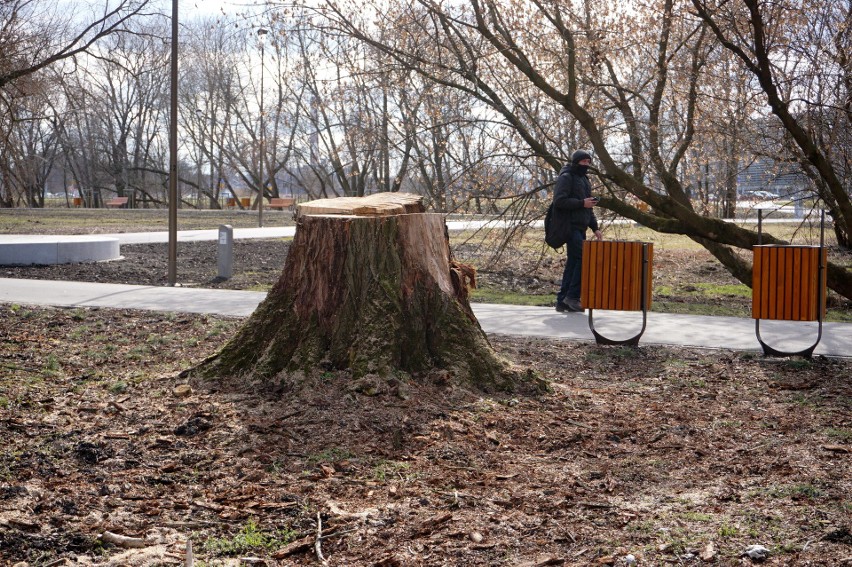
[370, 287]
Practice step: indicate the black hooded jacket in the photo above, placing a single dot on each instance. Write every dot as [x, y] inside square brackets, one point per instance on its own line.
[572, 186]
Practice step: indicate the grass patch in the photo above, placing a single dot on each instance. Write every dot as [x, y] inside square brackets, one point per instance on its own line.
[797, 491]
[52, 366]
[498, 296]
[717, 291]
[160, 340]
[390, 470]
[218, 328]
[803, 400]
[139, 352]
[697, 517]
[796, 364]
[844, 435]
[676, 307]
[250, 538]
[331, 455]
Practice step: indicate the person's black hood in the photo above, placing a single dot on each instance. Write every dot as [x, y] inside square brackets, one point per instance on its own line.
[579, 156]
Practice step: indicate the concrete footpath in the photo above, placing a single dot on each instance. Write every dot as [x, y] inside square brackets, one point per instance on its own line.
[662, 329]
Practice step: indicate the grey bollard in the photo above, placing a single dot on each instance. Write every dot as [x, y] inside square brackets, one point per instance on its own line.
[226, 251]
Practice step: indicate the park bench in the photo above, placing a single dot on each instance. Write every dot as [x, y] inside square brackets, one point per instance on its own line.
[117, 202]
[281, 203]
[616, 275]
[788, 284]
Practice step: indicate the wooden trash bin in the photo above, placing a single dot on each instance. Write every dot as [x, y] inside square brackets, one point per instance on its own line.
[617, 276]
[245, 202]
[788, 284]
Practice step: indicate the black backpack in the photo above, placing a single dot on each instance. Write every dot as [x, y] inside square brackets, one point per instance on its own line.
[557, 227]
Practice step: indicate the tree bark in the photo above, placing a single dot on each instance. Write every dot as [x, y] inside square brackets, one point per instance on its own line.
[374, 292]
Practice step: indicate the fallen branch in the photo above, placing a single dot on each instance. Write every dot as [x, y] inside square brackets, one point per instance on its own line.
[337, 511]
[587, 504]
[124, 541]
[432, 524]
[298, 546]
[318, 544]
[305, 543]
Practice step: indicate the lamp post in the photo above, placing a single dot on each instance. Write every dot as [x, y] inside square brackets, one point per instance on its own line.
[261, 35]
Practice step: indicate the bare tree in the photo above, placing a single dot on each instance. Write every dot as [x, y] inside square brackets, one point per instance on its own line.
[356, 116]
[29, 152]
[112, 114]
[35, 34]
[634, 95]
[798, 52]
[211, 85]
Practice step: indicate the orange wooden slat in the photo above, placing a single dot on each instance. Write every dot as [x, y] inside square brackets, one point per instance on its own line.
[806, 280]
[603, 275]
[585, 280]
[776, 286]
[756, 279]
[769, 285]
[800, 283]
[789, 287]
[781, 296]
[609, 254]
[810, 281]
[586, 287]
[823, 259]
[624, 261]
[635, 269]
[628, 281]
[618, 276]
[649, 276]
[817, 292]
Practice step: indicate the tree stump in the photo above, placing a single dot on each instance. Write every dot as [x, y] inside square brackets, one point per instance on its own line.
[369, 286]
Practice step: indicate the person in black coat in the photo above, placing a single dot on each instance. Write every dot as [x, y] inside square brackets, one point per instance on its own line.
[572, 196]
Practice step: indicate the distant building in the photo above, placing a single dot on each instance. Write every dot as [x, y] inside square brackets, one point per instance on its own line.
[765, 177]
